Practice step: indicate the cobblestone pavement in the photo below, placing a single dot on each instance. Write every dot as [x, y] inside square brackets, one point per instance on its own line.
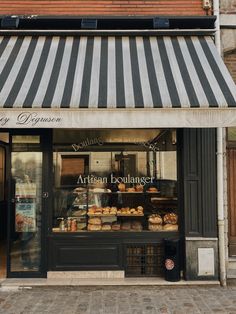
[122, 300]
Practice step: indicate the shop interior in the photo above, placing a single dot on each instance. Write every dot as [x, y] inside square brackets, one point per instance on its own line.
[115, 180]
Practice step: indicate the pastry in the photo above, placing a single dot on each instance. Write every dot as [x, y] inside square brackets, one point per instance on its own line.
[139, 187]
[154, 227]
[91, 211]
[171, 218]
[131, 190]
[106, 226]
[155, 219]
[115, 226]
[170, 227]
[98, 210]
[106, 211]
[121, 187]
[136, 225]
[94, 227]
[152, 189]
[126, 226]
[140, 208]
[125, 210]
[95, 221]
[113, 210]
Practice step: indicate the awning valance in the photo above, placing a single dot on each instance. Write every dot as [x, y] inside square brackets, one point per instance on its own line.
[55, 75]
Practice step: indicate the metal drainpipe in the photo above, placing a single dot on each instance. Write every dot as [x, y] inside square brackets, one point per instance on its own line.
[220, 167]
[220, 206]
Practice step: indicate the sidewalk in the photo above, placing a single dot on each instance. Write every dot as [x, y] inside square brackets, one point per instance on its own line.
[41, 282]
[119, 300]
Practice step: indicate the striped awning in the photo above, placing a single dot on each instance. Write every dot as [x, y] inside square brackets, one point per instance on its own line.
[162, 78]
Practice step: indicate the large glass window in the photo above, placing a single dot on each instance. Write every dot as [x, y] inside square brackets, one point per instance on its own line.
[115, 180]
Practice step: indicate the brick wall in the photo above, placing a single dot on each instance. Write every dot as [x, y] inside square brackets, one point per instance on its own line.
[102, 7]
[230, 61]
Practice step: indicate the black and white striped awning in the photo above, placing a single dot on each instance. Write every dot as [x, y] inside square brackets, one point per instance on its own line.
[147, 76]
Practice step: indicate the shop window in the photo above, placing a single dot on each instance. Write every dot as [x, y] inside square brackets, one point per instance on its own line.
[115, 181]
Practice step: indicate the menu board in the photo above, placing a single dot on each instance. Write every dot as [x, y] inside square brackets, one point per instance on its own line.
[25, 219]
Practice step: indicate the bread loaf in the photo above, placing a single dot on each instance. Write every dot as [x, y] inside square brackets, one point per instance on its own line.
[154, 227]
[170, 227]
[126, 226]
[94, 227]
[155, 219]
[106, 226]
[136, 225]
[94, 221]
[115, 226]
[170, 218]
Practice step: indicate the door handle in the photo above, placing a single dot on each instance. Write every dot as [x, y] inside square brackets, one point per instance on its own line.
[45, 194]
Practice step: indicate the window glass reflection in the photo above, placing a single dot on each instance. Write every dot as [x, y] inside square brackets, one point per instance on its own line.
[115, 180]
[26, 188]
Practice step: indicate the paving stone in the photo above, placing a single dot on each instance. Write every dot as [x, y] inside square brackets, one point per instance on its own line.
[119, 300]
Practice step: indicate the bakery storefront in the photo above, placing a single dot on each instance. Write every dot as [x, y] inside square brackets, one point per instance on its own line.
[108, 147]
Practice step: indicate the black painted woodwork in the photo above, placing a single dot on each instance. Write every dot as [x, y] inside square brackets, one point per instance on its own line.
[199, 178]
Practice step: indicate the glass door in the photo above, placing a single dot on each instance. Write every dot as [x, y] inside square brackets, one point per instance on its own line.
[25, 258]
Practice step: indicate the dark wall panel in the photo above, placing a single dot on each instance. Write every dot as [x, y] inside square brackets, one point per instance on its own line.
[71, 254]
[199, 177]
[208, 182]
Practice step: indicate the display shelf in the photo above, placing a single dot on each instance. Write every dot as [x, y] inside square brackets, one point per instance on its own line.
[150, 201]
[164, 199]
[101, 215]
[79, 216]
[130, 215]
[119, 192]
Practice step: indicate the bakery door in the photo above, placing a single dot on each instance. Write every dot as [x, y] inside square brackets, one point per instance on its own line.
[231, 165]
[26, 206]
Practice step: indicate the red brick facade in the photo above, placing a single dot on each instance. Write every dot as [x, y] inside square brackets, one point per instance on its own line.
[102, 7]
[230, 61]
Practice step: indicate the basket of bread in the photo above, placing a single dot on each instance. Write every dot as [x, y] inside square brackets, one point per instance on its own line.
[168, 223]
